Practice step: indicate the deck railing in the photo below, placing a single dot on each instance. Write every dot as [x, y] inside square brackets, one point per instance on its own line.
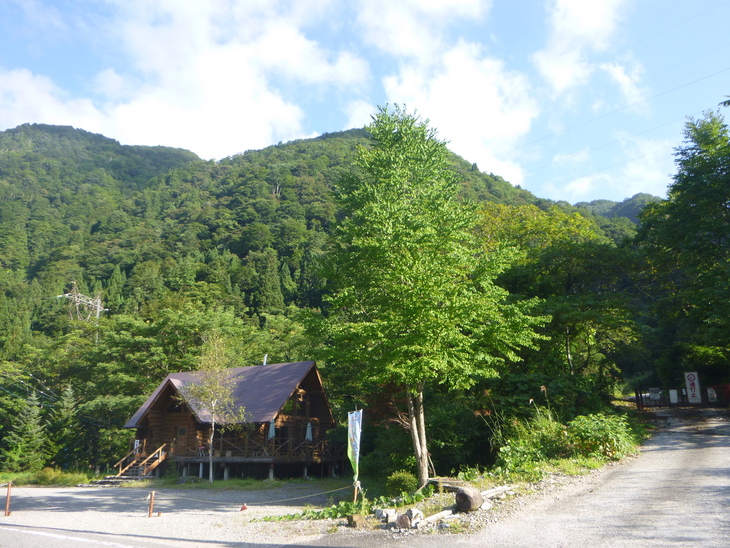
[251, 448]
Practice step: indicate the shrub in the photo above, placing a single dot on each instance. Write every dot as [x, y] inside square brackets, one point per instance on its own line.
[602, 435]
[401, 482]
[528, 443]
[48, 476]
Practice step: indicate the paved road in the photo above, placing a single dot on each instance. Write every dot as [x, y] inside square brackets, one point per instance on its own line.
[676, 493]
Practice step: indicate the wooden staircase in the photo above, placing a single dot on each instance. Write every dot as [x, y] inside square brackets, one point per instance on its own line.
[135, 466]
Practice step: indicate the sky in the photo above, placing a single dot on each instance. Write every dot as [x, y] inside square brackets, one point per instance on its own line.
[572, 100]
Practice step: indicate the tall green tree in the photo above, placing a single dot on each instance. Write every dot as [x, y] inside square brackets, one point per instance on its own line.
[687, 238]
[26, 444]
[63, 431]
[212, 393]
[414, 301]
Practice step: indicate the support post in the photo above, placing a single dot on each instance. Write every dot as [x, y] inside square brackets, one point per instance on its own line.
[200, 471]
[226, 472]
[271, 471]
[152, 504]
[7, 499]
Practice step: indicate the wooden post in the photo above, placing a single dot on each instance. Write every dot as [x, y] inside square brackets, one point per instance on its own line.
[7, 499]
[152, 504]
[357, 484]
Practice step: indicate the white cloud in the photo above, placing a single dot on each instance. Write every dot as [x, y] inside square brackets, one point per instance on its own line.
[26, 97]
[359, 114]
[210, 77]
[577, 28]
[573, 157]
[645, 167]
[626, 80]
[478, 105]
[413, 28]
[285, 49]
[648, 169]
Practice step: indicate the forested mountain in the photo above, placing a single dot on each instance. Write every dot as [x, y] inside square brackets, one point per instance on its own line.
[176, 246]
[629, 208]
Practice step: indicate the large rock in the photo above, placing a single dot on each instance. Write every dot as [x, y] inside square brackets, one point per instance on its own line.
[468, 499]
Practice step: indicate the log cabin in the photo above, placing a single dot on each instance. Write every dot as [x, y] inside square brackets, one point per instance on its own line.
[285, 421]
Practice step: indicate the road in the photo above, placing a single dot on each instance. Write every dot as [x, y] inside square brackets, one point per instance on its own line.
[676, 493]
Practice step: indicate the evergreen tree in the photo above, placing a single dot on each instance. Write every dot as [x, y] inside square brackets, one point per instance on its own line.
[63, 431]
[26, 444]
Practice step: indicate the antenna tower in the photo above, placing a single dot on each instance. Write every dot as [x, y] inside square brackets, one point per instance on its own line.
[81, 305]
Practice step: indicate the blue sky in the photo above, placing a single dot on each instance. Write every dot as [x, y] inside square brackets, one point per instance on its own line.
[571, 99]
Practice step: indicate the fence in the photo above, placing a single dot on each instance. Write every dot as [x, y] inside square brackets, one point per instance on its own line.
[712, 396]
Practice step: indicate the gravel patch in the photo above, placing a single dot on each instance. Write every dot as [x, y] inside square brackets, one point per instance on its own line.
[181, 517]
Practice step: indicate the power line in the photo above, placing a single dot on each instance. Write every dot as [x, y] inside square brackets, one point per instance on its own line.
[605, 115]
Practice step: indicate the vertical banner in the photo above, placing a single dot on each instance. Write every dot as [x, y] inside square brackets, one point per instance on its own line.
[693, 387]
[354, 425]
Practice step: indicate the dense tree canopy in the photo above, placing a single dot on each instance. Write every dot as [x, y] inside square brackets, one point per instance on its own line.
[414, 301]
[687, 238]
[175, 246]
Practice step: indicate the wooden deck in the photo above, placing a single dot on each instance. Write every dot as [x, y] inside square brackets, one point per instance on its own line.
[142, 461]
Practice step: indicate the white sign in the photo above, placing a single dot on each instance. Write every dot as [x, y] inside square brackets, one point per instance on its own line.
[692, 381]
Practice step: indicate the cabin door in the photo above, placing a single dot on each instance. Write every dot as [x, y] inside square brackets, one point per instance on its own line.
[182, 436]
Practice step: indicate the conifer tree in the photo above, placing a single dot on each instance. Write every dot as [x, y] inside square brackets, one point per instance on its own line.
[26, 444]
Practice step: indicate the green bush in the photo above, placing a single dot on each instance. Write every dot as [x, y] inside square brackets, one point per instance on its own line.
[528, 443]
[46, 476]
[400, 482]
[602, 435]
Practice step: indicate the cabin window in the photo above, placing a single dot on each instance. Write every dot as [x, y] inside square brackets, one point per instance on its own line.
[176, 407]
[182, 431]
[288, 408]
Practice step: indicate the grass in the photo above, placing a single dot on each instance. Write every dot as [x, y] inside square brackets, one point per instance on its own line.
[47, 476]
[240, 484]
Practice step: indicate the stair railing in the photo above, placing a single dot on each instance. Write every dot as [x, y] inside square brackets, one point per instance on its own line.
[119, 464]
[159, 453]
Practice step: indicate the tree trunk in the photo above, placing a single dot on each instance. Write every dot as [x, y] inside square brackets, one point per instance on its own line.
[567, 349]
[417, 421]
[210, 452]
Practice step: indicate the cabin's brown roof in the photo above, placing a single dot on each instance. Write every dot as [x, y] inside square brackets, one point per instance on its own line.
[262, 390]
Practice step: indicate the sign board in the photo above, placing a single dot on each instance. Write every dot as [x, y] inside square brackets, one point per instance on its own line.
[673, 396]
[655, 394]
[712, 395]
[692, 381]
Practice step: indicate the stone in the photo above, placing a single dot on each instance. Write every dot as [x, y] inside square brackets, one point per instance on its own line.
[403, 521]
[356, 521]
[468, 499]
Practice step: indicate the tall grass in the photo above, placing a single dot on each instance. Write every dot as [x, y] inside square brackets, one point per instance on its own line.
[47, 476]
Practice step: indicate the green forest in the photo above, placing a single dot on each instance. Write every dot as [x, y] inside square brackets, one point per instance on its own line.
[422, 285]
